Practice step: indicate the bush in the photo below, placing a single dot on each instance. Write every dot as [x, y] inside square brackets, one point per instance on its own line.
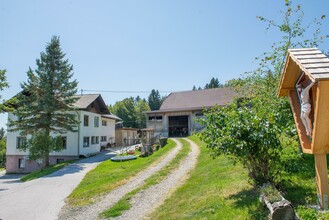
[163, 141]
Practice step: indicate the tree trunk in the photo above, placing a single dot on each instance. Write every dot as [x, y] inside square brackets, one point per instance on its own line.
[281, 210]
[46, 156]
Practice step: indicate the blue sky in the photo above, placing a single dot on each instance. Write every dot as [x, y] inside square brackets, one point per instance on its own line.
[140, 45]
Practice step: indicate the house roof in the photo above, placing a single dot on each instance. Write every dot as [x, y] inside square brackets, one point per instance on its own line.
[111, 116]
[92, 102]
[197, 99]
[85, 100]
[311, 61]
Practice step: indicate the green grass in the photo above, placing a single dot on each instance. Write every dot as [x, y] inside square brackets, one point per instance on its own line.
[301, 189]
[216, 189]
[124, 203]
[45, 171]
[110, 175]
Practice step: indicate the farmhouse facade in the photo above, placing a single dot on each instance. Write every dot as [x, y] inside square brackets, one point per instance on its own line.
[96, 129]
[179, 112]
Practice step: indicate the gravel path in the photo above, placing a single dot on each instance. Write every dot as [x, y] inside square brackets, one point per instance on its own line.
[92, 211]
[146, 201]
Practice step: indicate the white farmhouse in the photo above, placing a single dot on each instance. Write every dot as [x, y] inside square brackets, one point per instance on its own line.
[96, 129]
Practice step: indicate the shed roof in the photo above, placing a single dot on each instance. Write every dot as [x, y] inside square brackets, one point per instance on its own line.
[198, 99]
[311, 61]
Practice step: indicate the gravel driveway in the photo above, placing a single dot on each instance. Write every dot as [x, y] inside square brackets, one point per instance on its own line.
[146, 201]
[92, 211]
[43, 198]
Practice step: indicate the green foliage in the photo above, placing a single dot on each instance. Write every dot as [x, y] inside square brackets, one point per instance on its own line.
[155, 100]
[41, 143]
[255, 129]
[214, 83]
[47, 99]
[2, 152]
[307, 213]
[141, 106]
[131, 111]
[3, 84]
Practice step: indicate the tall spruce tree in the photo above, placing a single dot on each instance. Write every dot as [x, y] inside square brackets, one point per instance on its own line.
[46, 102]
[155, 100]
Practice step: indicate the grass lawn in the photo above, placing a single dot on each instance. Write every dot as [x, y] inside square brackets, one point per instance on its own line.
[301, 190]
[216, 189]
[109, 175]
[124, 203]
[46, 171]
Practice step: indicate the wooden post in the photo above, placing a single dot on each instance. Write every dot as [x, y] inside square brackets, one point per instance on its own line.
[322, 179]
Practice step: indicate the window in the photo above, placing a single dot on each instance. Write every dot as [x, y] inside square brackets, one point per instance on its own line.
[85, 141]
[158, 118]
[64, 141]
[96, 122]
[103, 138]
[86, 120]
[94, 140]
[21, 163]
[104, 123]
[60, 161]
[21, 142]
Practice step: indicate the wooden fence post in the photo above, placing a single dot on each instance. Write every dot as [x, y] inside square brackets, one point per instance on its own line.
[322, 179]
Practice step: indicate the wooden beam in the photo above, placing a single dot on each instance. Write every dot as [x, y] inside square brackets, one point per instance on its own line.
[322, 179]
[320, 140]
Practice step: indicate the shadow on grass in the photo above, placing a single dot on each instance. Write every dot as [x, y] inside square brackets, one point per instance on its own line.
[250, 199]
[300, 194]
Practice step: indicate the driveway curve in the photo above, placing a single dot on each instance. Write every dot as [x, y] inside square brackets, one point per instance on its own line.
[43, 198]
[92, 211]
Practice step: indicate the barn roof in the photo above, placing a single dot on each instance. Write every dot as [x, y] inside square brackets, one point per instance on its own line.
[311, 61]
[197, 99]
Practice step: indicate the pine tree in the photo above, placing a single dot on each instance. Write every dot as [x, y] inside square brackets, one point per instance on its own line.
[214, 83]
[155, 100]
[46, 102]
[3, 84]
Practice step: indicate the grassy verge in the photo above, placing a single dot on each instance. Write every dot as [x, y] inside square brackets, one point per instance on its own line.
[46, 171]
[216, 189]
[109, 175]
[301, 190]
[124, 203]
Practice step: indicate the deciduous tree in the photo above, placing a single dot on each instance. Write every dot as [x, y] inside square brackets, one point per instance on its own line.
[256, 129]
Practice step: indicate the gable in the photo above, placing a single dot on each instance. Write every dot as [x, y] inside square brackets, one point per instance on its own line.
[92, 103]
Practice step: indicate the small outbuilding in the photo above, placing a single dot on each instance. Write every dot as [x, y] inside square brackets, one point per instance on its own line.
[126, 136]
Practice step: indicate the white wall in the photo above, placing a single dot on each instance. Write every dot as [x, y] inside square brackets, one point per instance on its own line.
[108, 131]
[74, 139]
